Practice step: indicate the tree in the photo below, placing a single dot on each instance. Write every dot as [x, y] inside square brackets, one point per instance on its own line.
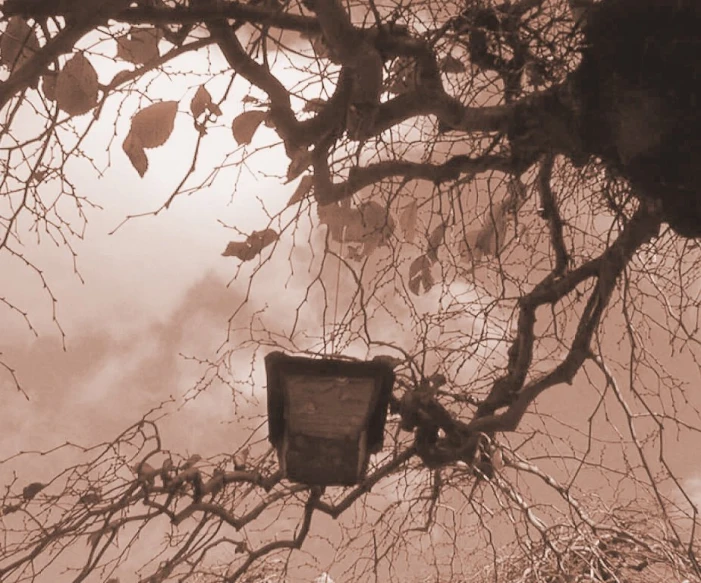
[480, 197]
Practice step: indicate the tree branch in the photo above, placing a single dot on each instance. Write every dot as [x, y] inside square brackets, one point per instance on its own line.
[360, 177]
[642, 227]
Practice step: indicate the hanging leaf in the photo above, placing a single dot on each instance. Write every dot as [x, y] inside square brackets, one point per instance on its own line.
[139, 46]
[335, 217]
[355, 253]
[252, 246]
[90, 497]
[369, 224]
[303, 189]
[202, 102]
[435, 241]
[452, 65]
[30, 491]
[301, 160]
[135, 152]
[246, 124]
[121, 77]
[420, 276]
[370, 244]
[76, 86]
[18, 43]
[48, 85]
[486, 242]
[377, 223]
[407, 221]
[517, 192]
[153, 125]
[492, 236]
[489, 239]
[38, 175]
[250, 99]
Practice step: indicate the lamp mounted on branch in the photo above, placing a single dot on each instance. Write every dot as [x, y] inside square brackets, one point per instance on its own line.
[326, 416]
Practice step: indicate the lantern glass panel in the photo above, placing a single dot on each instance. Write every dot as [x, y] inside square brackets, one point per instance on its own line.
[328, 406]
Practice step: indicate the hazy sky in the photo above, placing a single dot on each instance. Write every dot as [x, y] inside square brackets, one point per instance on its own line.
[154, 289]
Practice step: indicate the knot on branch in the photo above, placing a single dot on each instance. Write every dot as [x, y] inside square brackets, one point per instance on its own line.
[422, 414]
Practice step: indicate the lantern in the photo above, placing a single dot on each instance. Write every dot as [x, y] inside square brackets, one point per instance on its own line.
[326, 416]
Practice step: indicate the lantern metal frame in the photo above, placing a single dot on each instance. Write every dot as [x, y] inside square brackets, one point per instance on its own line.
[326, 416]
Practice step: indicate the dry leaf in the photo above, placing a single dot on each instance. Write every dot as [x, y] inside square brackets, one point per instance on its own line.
[369, 224]
[407, 221]
[139, 46]
[492, 235]
[251, 99]
[486, 242]
[378, 224]
[335, 217]
[28, 492]
[252, 246]
[121, 77]
[301, 160]
[153, 125]
[452, 64]
[420, 275]
[245, 125]
[91, 497]
[435, 241]
[48, 85]
[202, 102]
[354, 253]
[76, 86]
[489, 239]
[303, 189]
[18, 43]
[135, 152]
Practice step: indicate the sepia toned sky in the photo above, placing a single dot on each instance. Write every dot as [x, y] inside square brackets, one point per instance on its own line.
[140, 292]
